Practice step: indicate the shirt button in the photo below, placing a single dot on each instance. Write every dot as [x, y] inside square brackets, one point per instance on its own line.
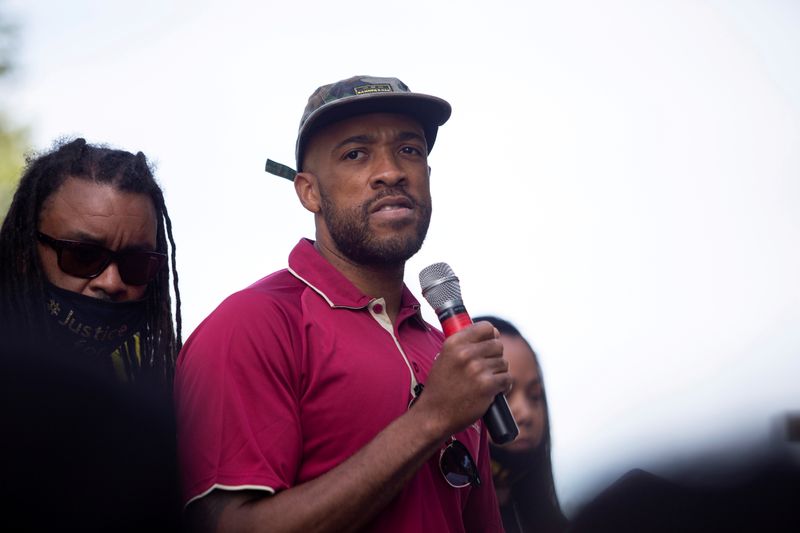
[377, 308]
[415, 365]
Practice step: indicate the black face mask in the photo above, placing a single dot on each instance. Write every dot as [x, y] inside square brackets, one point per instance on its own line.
[89, 326]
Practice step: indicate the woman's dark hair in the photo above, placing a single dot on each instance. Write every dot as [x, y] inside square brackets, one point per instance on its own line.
[535, 493]
[22, 280]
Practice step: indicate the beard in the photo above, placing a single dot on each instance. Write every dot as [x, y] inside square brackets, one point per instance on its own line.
[349, 229]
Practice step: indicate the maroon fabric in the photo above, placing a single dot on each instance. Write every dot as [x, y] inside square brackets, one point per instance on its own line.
[291, 376]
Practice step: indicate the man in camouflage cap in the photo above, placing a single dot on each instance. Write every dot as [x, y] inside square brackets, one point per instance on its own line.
[362, 95]
[295, 395]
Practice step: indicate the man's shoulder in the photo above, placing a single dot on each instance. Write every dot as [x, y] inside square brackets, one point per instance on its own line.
[276, 294]
[279, 290]
[267, 311]
[280, 284]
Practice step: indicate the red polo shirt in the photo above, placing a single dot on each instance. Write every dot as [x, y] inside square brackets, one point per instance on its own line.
[291, 376]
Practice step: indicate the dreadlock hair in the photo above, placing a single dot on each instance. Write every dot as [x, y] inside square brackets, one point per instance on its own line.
[22, 278]
[535, 493]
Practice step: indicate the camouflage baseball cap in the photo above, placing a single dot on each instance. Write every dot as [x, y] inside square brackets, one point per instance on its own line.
[360, 95]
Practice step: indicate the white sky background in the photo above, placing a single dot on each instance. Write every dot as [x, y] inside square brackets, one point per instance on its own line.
[620, 179]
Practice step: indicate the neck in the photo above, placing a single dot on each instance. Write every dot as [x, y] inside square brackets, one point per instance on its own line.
[385, 281]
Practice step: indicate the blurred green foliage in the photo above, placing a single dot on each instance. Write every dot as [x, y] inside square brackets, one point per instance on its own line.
[13, 144]
[13, 139]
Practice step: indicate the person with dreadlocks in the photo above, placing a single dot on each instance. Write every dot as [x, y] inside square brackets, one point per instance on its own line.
[83, 263]
[522, 470]
[88, 345]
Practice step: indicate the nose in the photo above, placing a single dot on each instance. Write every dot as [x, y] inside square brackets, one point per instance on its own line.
[523, 413]
[108, 285]
[388, 172]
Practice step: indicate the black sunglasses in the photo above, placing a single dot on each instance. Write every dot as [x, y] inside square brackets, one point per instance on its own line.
[87, 260]
[455, 462]
[457, 465]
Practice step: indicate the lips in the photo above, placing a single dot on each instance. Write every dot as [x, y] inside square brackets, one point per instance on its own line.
[389, 203]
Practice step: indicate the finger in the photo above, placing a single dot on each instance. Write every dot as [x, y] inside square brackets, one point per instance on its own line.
[479, 331]
[497, 365]
[491, 349]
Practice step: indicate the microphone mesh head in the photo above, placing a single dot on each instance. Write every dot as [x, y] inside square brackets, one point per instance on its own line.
[440, 286]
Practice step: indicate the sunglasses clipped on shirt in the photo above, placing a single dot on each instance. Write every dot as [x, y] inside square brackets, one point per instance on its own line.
[455, 462]
[87, 260]
[457, 465]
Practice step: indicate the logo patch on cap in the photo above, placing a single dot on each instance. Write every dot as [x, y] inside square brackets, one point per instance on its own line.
[377, 88]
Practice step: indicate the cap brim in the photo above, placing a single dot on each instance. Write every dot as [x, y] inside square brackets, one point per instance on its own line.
[430, 111]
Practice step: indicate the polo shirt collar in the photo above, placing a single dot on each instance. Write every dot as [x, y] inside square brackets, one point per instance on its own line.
[308, 265]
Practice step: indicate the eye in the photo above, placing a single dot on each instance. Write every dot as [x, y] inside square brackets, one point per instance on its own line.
[354, 155]
[411, 150]
[535, 398]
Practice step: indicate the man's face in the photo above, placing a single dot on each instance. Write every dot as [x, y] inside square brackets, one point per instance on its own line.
[374, 191]
[81, 210]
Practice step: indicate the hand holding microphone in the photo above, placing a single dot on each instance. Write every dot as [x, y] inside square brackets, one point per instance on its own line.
[441, 289]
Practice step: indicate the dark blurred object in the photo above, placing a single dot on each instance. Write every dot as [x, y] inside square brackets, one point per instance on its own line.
[793, 427]
[762, 494]
[79, 451]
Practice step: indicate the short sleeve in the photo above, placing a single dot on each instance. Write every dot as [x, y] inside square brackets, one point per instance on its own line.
[236, 399]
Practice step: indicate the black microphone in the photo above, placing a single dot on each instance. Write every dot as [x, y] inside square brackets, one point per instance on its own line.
[441, 289]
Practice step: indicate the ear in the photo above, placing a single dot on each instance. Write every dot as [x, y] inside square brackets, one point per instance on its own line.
[307, 189]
